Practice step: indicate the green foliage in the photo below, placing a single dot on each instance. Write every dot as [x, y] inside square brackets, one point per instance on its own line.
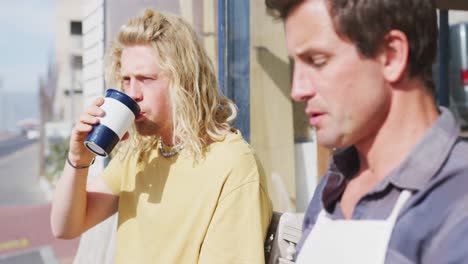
[55, 159]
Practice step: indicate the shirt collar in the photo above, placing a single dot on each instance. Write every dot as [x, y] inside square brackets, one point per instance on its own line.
[429, 154]
[343, 166]
[423, 162]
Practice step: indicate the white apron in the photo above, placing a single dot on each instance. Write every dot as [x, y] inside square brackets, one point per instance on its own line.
[350, 241]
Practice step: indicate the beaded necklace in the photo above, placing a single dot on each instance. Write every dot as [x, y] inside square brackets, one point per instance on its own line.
[170, 153]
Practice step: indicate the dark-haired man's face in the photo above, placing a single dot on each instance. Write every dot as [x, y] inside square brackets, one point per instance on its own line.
[344, 93]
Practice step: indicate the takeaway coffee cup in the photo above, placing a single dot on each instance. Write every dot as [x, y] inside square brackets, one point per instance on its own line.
[120, 112]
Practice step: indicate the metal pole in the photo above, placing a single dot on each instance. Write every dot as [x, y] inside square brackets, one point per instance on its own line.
[234, 58]
[444, 90]
[221, 46]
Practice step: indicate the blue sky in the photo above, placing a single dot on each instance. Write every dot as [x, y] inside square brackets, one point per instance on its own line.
[27, 29]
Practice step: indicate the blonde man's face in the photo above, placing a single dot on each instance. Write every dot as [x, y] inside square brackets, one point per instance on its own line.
[148, 85]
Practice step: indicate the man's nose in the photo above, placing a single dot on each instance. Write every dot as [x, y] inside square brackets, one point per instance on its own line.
[134, 90]
[301, 87]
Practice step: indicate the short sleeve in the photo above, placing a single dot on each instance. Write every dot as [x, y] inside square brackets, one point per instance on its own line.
[238, 228]
[240, 221]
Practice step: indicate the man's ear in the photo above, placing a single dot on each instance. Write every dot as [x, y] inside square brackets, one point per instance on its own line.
[394, 55]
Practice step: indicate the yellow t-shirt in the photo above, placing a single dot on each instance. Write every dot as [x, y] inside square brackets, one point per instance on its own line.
[173, 210]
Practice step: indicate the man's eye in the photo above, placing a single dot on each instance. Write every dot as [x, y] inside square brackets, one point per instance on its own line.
[319, 61]
[148, 79]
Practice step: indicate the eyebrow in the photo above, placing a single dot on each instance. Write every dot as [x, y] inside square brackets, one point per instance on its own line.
[141, 75]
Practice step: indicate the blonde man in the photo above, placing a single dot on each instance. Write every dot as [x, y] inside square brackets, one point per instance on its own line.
[187, 187]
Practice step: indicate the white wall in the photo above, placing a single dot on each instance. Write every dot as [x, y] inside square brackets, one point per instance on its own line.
[93, 60]
[306, 173]
[458, 16]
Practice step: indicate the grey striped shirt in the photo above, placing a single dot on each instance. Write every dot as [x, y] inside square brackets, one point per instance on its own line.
[433, 225]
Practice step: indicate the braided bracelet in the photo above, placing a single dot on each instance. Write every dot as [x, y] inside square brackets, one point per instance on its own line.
[80, 167]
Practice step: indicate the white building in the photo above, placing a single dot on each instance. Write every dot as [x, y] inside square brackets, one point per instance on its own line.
[68, 102]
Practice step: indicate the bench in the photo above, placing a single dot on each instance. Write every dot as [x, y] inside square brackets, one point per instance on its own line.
[282, 237]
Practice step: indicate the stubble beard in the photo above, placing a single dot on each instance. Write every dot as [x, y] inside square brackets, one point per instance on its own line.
[146, 128]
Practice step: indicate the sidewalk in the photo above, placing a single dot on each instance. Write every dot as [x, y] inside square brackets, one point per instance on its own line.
[25, 229]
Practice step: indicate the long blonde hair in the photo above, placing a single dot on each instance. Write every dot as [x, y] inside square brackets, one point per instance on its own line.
[200, 113]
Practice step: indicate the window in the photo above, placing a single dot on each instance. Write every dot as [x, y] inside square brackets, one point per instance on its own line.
[75, 28]
[77, 62]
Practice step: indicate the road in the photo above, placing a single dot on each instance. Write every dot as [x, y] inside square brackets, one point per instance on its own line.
[12, 144]
[19, 174]
[25, 235]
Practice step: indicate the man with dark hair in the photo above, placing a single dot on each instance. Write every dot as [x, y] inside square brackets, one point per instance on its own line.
[395, 189]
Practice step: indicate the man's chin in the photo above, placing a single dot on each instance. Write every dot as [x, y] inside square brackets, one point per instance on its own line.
[145, 131]
[333, 143]
[330, 141]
